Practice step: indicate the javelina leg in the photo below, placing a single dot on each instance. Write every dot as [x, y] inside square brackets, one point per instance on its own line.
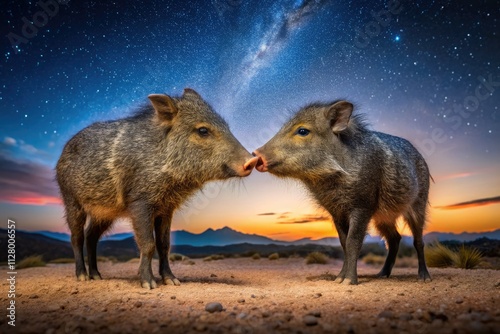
[357, 229]
[392, 237]
[76, 217]
[342, 226]
[92, 235]
[142, 221]
[162, 234]
[416, 222]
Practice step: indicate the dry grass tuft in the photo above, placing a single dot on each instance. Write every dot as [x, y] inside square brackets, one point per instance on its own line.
[316, 258]
[31, 261]
[273, 256]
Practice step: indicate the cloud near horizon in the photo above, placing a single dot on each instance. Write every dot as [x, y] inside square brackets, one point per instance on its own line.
[27, 182]
[304, 219]
[471, 204]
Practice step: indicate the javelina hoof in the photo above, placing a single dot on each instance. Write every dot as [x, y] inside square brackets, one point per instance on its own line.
[96, 277]
[82, 277]
[149, 285]
[425, 277]
[349, 281]
[171, 281]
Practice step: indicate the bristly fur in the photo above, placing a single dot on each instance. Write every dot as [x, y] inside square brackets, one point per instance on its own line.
[356, 174]
[143, 166]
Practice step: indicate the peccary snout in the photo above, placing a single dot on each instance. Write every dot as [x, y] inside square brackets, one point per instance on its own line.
[261, 164]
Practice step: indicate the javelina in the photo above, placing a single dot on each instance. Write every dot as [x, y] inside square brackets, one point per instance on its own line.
[357, 175]
[144, 167]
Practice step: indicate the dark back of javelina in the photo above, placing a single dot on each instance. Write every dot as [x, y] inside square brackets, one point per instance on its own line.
[356, 174]
[144, 167]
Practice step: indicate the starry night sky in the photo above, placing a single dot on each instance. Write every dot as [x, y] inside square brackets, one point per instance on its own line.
[427, 72]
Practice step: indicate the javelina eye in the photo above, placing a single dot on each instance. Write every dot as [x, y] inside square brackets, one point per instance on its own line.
[203, 131]
[303, 132]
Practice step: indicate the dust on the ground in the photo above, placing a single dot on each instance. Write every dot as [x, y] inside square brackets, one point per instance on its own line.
[257, 296]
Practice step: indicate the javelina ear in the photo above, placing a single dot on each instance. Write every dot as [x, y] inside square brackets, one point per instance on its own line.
[338, 114]
[164, 106]
[192, 92]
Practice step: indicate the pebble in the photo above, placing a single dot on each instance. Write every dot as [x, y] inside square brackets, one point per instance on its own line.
[33, 297]
[173, 297]
[213, 307]
[459, 300]
[200, 327]
[386, 314]
[315, 313]
[405, 316]
[266, 314]
[310, 320]
[138, 304]
[241, 300]
[241, 316]
[213, 275]
[253, 296]
[318, 295]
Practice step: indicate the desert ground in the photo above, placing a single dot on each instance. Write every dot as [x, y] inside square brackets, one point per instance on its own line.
[257, 296]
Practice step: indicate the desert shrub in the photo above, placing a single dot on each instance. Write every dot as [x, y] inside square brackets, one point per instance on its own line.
[177, 257]
[63, 260]
[468, 258]
[256, 256]
[274, 256]
[31, 261]
[373, 259]
[440, 256]
[316, 258]
[214, 257]
[107, 259]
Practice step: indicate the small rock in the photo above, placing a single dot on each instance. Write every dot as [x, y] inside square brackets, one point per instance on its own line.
[241, 300]
[386, 314]
[466, 317]
[213, 275]
[310, 320]
[74, 291]
[253, 296]
[459, 300]
[317, 295]
[50, 308]
[315, 313]
[266, 314]
[173, 297]
[200, 327]
[213, 307]
[486, 318]
[33, 296]
[405, 316]
[241, 316]
[138, 304]
[477, 327]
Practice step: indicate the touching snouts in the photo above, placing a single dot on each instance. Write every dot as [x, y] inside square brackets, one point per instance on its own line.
[261, 163]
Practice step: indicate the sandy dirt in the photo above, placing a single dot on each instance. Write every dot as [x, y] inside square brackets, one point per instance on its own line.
[257, 296]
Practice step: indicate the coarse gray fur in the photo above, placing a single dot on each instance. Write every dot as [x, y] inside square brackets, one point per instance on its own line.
[144, 167]
[357, 175]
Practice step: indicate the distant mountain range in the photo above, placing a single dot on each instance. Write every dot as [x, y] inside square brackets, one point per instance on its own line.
[122, 246]
[227, 236]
